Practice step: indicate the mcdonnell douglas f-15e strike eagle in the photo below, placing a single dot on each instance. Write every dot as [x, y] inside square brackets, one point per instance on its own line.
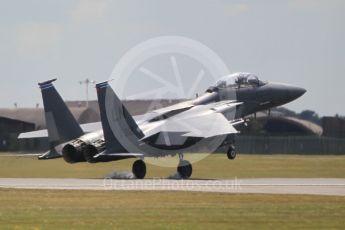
[199, 125]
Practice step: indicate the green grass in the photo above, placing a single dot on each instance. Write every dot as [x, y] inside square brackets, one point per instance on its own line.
[214, 166]
[49, 209]
[46, 209]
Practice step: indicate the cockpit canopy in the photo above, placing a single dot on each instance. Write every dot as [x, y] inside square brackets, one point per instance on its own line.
[239, 80]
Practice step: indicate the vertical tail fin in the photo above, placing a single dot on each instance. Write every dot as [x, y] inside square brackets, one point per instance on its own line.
[61, 124]
[118, 125]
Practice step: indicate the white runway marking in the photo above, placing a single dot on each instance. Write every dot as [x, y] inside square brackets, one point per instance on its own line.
[312, 186]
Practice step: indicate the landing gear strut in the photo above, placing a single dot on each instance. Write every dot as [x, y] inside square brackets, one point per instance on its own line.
[139, 169]
[184, 168]
[231, 153]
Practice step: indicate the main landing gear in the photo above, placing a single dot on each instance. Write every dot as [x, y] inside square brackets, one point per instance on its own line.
[184, 168]
[139, 169]
[231, 153]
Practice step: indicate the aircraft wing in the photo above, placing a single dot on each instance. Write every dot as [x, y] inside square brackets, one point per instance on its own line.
[202, 121]
[213, 124]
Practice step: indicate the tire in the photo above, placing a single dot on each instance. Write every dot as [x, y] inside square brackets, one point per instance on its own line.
[231, 153]
[185, 169]
[139, 169]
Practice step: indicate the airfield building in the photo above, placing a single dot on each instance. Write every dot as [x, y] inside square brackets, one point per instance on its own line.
[264, 134]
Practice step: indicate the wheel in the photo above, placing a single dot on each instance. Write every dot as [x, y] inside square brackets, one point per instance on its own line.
[139, 169]
[231, 153]
[185, 169]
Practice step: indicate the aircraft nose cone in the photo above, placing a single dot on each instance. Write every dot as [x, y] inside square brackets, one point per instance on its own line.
[295, 92]
[280, 94]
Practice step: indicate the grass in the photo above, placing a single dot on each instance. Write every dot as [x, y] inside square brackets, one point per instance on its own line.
[47, 209]
[214, 166]
[60, 209]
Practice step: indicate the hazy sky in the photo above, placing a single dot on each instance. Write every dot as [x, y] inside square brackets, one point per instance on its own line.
[301, 42]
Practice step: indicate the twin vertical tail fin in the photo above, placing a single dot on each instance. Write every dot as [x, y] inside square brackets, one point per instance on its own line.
[119, 128]
[61, 124]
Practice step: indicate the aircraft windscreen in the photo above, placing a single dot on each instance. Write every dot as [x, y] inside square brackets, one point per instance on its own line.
[239, 80]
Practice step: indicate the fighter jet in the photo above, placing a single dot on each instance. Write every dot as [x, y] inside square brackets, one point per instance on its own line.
[199, 125]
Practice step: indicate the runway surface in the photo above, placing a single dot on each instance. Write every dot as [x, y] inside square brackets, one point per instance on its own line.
[262, 185]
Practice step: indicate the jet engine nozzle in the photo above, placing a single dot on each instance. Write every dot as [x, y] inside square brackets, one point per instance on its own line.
[93, 149]
[73, 151]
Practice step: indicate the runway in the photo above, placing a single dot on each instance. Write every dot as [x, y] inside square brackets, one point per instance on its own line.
[262, 185]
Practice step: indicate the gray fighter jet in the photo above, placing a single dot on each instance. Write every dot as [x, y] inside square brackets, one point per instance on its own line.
[194, 126]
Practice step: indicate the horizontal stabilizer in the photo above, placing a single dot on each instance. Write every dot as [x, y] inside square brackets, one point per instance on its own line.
[51, 154]
[21, 155]
[34, 134]
[118, 154]
[87, 128]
